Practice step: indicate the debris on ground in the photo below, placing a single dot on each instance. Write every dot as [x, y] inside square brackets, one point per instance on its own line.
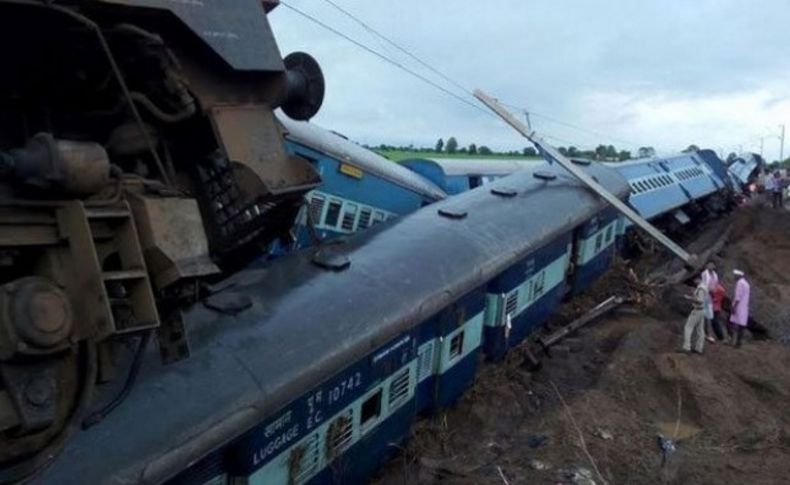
[673, 418]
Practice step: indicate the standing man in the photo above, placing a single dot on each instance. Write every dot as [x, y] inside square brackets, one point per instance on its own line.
[778, 188]
[695, 323]
[718, 295]
[739, 317]
[770, 185]
[710, 280]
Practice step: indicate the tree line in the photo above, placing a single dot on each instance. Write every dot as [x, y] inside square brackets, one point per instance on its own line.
[602, 152]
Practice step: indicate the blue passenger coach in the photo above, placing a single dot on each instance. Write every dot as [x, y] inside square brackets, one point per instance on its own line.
[359, 187]
[456, 175]
[326, 370]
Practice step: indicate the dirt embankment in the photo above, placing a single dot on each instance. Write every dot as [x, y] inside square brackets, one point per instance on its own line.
[595, 412]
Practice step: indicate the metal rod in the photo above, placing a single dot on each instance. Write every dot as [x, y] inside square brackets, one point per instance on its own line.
[586, 179]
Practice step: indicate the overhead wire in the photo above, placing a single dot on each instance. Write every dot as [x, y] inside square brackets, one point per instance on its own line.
[383, 57]
[434, 70]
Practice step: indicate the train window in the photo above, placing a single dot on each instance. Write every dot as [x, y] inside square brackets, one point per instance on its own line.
[425, 361]
[539, 286]
[370, 411]
[349, 217]
[511, 303]
[378, 217]
[457, 346]
[317, 207]
[598, 242]
[610, 234]
[399, 389]
[339, 434]
[333, 213]
[364, 218]
[304, 460]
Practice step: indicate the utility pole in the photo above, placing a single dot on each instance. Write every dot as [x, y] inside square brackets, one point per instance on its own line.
[526, 117]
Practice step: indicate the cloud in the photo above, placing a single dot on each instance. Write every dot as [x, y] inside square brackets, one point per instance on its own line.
[661, 73]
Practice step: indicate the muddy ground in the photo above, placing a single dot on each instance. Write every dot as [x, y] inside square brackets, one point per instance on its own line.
[595, 412]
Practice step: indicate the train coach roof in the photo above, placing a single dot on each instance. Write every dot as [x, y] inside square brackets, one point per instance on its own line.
[340, 148]
[307, 324]
[476, 166]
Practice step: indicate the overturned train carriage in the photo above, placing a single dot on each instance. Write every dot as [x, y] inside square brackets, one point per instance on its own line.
[309, 370]
[139, 156]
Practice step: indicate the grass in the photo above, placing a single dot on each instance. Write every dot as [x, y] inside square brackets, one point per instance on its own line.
[398, 155]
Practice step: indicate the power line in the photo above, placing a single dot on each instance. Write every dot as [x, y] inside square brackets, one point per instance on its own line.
[458, 85]
[385, 58]
[399, 47]
[421, 62]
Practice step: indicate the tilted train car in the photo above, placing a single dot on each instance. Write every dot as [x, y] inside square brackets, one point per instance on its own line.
[746, 169]
[456, 175]
[359, 188]
[140, 161]
[310, 370]
[672, 191]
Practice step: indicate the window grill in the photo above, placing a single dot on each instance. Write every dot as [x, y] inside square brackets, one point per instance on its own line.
[457, 346]
[304, 460]
[317, 208]
[339, 434]
[349, 217]
[364, 219]
[399, 389]
[511, 303]
[425, 361]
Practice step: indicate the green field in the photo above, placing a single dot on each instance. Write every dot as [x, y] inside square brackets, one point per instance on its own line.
[398, 155]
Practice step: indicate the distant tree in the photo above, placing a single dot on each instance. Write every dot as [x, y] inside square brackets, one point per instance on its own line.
[573, 151]
[646, 152]
[530, 152]
[600, 152]
[484, 150]
[452, 145]
[472, 149]
[462, 150]
[563, 150]
[439, 145]
[611, 152]
[691, 148]
[624, 155]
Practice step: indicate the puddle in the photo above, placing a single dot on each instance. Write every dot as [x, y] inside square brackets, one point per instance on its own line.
[678, 431]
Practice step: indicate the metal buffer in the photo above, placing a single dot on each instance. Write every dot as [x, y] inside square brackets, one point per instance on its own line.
[689, 259]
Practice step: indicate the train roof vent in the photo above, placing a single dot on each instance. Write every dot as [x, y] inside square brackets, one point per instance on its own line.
[453, 213]
[504, 192]
[329, 259]
[544, 175]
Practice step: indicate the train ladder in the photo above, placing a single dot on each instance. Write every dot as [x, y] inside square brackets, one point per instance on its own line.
[674, 248]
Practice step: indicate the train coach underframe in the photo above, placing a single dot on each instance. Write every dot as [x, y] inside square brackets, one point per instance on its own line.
[139, 158]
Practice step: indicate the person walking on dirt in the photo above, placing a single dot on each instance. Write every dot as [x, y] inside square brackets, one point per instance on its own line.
[739, 316]
[710, 279]
[695, 323]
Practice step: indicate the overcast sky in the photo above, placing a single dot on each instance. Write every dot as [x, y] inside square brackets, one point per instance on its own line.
[662, 73]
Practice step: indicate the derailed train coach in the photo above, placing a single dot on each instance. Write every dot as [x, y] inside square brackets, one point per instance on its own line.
[140, 163]
[359, 188]
[309, 370]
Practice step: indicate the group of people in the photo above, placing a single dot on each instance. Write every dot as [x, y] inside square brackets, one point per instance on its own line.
[705, 320]
[774, 187]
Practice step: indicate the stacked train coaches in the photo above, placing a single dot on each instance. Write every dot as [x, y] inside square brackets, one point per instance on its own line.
[359, 189]
[326, 357]
[140, 158]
